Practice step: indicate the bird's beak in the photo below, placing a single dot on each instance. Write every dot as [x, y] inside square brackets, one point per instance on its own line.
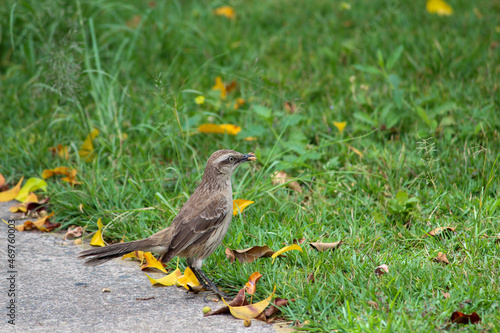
[248, 157]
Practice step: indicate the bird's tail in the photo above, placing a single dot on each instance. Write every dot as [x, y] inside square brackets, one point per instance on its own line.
[100, 255]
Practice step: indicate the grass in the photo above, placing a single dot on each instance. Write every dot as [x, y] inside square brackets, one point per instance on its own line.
[419, 94]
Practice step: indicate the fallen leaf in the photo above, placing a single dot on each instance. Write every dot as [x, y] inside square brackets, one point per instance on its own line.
[219, 129]
[2, 180]
[47, 173]
[71, 178]
[281, 178]
[135, 255]
[31, 185]
[310, 278]
[250, 254]
[382, 269]
[250, 138]
[167, 280]
[73, 232]
[97, 238]
[12, 193]
[373, 304]
[439, 7]
[461, 318]
[60, 150]
[239, 300]
[152, 262]
[42, 224]
[251, 310]
[321, 247]
[251, 285]
[441, 257]
[87, 150]
[442, 231]
[240, 204]
[340, 126]
[226, 11]
[23, 207]
[187, 279]
[275, 307]
[286, 249]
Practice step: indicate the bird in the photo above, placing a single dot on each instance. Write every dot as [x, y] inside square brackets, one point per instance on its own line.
[199, 227]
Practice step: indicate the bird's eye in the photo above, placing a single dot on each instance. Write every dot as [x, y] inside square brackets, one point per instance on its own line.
[231, 159]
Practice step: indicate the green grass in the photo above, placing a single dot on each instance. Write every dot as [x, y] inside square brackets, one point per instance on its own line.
[419, 94]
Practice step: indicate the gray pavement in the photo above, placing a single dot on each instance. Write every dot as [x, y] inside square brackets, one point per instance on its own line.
[56, 293]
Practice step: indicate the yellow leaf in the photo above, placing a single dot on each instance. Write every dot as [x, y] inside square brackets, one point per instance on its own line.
[60, 150]
[12, 193]
[23, 206]
[187, 278]
[135, 254]
[250, 311]
[97, 239]
[152, 262]
[87, 150]
[221, 129]
[226, 11]
[2, 180]
[250, 138]
[31, 185]
[71, 178]
[167, 280]
[340, 126]
[240, 204]
[199, 100]
[439, 7]
[219, 85]
[47, 173]
[286, 249]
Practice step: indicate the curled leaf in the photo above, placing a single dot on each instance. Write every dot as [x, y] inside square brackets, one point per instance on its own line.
[326, 246]
[441, 258]
[187, 279]
[461, 318]
[286, 249]
[240, 204]
[97, 238]
[42, 224]
[74, 232]
[71, 178]
[277, 304]
[382, 269]
[167, 280]
[135, 255]
[152, 262]
[31, 185]
[251, 310]
[12, 193]
[239, 300]
[445, 232]
[250, 254]
[251, 285]
[60, 150]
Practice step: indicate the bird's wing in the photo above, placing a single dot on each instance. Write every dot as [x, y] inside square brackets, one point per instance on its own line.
[197, 224]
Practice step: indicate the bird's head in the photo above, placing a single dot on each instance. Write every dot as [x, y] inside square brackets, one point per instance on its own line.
[226, 161]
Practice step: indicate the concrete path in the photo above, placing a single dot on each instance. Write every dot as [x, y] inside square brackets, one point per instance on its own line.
[56, 293]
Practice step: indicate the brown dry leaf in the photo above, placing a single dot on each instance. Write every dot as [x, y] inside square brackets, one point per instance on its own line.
[461, 318]
[42, 224]
[310, 278]
[250, 254]
[382, 269]
[445, 295]
[441, 257]
[442, 231]
[277, 303]
[239, 300]
[373, 305]
[251, 285]
[281, 178]
[290, 108]
[73, 232]
[326, 246]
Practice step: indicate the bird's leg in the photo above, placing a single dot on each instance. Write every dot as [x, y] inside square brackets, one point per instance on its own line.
[206, 283]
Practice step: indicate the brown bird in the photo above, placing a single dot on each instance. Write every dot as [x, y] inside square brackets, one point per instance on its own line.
[198, 229]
